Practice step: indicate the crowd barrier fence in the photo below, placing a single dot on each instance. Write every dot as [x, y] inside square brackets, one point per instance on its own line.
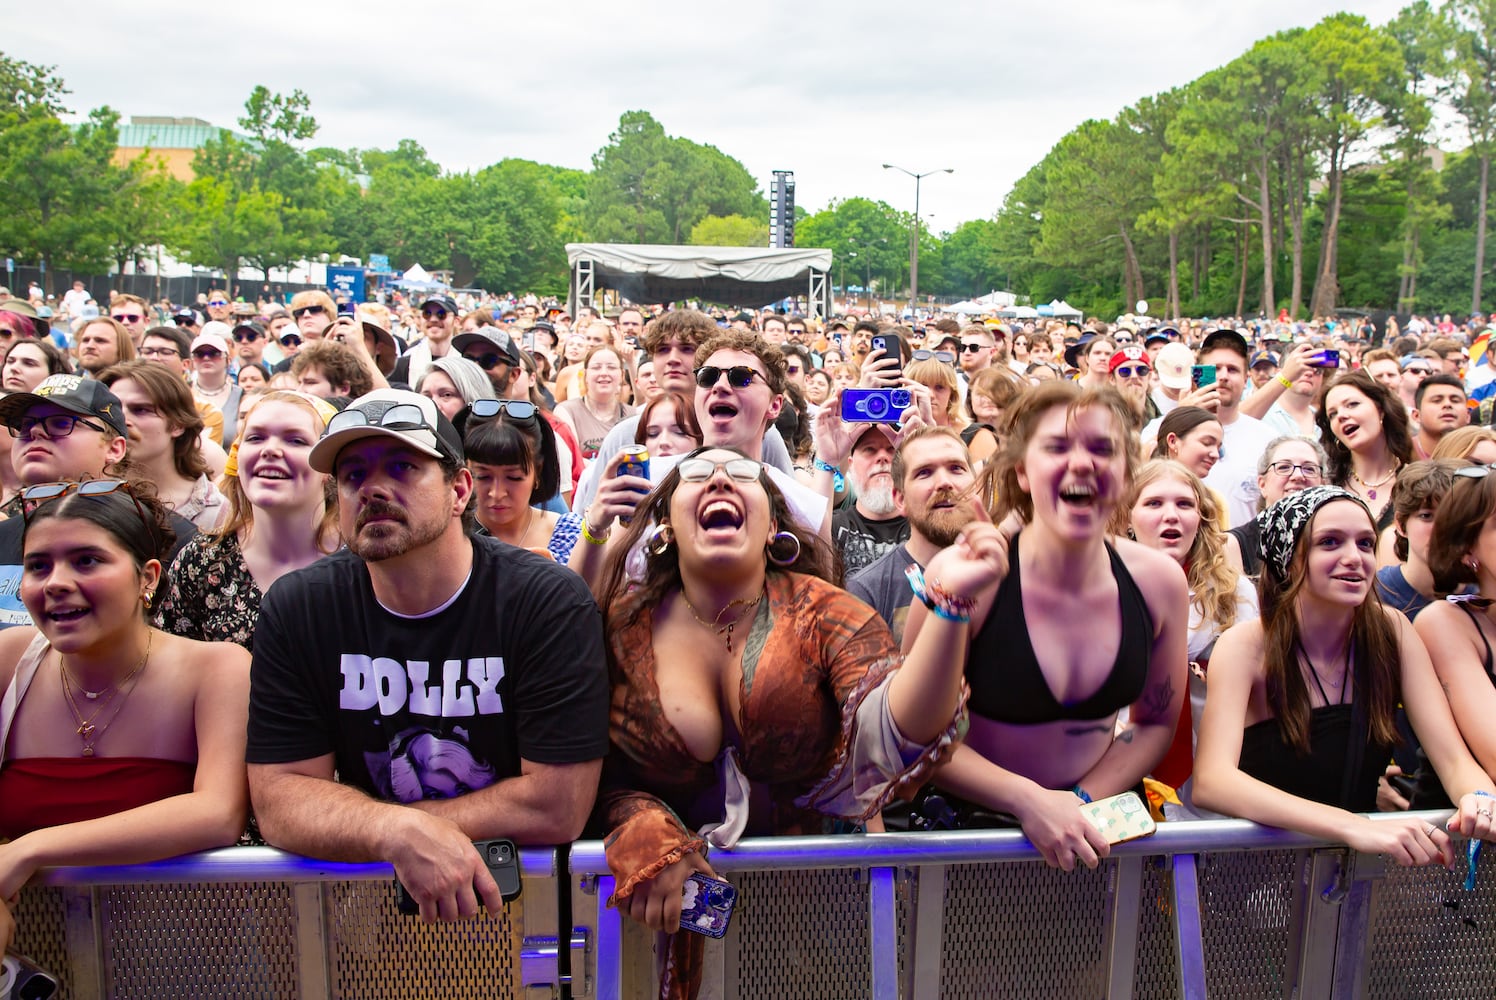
[1219, 908]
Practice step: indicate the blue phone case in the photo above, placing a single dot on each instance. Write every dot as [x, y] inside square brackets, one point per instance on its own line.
[706, 905]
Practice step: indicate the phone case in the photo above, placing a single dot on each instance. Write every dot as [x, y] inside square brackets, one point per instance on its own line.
[502, 859]
[22, 978]
[706, 905]
[1120, 817]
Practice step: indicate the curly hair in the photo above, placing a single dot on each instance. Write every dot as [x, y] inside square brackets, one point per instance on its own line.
[749, 343]
[688, 326]
[338, 364]
[622, 599]
[1394, 416]
[1211, 577]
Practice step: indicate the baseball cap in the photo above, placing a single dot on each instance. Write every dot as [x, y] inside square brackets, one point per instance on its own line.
[441, 300]
[486, 337]
[1173, 365]
[396, 413]
[185, 315]
[1130, 353]
[212, 337]
[1413, 359]
[85, 397]
[1264, 358]
[1225, 338]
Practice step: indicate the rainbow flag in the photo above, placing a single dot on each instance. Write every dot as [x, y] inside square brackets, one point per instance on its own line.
[1478, 347]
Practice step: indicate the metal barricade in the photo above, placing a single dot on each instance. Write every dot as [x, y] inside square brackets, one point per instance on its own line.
[1220, 908]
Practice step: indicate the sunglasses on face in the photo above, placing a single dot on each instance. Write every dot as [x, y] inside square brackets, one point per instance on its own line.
[973, 348]
[207, 354]
[33, 497]
[218, 302]
[1132, 371]
[514, 409]
[246, 335]
[699, 470]
[738, 376]
[948, 357]
[128, 318]
[291, 340]
[55, 426]
[435, 312]
[307, 310]
[487, 360]
[1418, 371]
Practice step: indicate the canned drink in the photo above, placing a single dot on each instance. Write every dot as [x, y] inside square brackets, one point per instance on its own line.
[635, 462]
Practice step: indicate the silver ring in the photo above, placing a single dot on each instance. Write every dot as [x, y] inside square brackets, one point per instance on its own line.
[1483, 812]
[1432, 829]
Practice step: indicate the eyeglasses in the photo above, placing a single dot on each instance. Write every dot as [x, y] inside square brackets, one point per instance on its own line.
[435, 312]
[207, 354]
[973, 348]
[218, 302]
[128, 318]
[291, 340]
[1474, 471]
[487, 360]
[160, 352]
[514, 409]
[305, 310]
[1417, 370]
[738, 376]
[54, 426]
[1131, 371]
[395, 417]
[699, 470]
[1286, 469]
[948, 357]
[184, 321]
[245, 334]
[33, 497]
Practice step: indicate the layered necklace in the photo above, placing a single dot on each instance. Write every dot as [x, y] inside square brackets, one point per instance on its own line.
[116, 694]
[1372, 487]
[1338, 685]
[716, 624]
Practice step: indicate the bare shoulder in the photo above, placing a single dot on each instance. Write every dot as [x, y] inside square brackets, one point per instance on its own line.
[1240, 647]
[13, 643]
[216, 661]
[1160, 578]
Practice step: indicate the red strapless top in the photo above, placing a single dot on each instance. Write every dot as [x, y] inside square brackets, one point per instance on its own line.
[38, 792]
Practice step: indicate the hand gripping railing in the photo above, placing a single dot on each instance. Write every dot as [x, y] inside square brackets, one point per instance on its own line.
[1192, 900]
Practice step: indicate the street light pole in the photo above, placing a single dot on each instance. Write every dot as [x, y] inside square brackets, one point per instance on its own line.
[914, 234]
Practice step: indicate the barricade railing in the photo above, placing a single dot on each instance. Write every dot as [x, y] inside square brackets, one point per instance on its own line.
[1222, 908]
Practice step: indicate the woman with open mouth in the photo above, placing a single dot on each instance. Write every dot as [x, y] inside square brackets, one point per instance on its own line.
[1298, 722]
[1171, 510]
[750, 695]
[1364, 429]
[1080, 627]
[123, 744]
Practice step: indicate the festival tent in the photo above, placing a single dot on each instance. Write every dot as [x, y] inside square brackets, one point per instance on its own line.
[1059, 307]
[418, 279]
[733, 276]
[967, 308]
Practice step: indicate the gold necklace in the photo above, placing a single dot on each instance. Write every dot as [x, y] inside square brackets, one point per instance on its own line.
[1371, 488]
[89, 733]
[716, 624]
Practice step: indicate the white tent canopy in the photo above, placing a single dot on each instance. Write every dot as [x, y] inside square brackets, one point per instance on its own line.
[738, 276]
[1059, 307]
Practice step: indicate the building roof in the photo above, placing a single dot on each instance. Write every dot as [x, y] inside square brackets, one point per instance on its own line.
[168, 133]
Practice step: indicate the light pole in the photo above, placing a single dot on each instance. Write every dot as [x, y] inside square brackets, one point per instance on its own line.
[914, 234]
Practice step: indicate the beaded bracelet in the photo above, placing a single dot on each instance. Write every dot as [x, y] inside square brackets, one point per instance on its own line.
[589, 537]
[940, 601]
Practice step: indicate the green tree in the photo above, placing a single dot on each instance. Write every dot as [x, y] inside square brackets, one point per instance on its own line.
[1473, 72]
[969, 256]
[729, 231]
[867, 237]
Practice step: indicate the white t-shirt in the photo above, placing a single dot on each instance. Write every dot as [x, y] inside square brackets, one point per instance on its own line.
[1235, 475]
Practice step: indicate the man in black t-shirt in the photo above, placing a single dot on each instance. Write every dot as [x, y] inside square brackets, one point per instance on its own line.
[865, 528]
[423, 689]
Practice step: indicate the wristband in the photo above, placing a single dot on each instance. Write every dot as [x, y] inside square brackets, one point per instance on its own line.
[1284, 382]
[941, 602]
[590, 538]
[1082, 794]
[838, 484]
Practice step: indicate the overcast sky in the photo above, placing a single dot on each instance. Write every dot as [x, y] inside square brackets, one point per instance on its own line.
[830, 91]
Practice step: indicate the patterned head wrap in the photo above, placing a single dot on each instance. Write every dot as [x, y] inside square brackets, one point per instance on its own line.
[1281, 524]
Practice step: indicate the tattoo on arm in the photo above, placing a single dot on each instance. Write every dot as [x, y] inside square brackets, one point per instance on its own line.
[1157, 698]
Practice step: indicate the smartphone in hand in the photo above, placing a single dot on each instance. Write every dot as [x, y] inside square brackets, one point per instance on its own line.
[706, 905]
[502, 859]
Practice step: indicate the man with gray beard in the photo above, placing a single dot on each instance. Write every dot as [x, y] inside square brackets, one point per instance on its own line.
[866, 528]
[932, 488]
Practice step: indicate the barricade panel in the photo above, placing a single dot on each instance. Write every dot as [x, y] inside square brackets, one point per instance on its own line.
[1246, 903]
[1156, 976]
[1430, 938]
[41, 932]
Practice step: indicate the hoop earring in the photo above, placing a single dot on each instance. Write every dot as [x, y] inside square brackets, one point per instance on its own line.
[780, 540]
[659, 539]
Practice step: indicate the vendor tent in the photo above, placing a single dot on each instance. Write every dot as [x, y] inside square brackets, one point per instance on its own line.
[1059, 307]
[967, 308]
[734, 276]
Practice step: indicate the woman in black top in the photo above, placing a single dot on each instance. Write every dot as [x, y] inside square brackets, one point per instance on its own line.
[1298, 720]
[1081, 627]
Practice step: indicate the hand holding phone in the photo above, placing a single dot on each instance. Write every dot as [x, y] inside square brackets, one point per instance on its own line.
[706, 905]
[1202, 375]
[500, 857]
[1120, 817]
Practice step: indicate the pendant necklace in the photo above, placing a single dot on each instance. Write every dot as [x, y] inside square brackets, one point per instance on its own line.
[1371, 488]
[87, 731]
[716, 624]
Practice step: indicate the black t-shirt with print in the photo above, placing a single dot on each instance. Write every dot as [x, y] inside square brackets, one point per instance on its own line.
[432, 707]
[860, 541]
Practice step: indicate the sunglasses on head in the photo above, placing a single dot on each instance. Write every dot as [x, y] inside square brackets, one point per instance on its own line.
[699, 470]
[514, 409]
[396, 417]
[738, 376]
[32, 497]
[1474, 471]
[307, 310]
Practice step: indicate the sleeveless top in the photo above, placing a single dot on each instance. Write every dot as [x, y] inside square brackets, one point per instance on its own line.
[1319, 776]
[1003, 672]
[38, 792]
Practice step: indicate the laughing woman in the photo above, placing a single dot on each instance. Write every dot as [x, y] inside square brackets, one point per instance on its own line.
[1298, 722]
[1045, 694]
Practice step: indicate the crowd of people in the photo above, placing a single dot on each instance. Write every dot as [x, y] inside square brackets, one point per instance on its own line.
[396, 578]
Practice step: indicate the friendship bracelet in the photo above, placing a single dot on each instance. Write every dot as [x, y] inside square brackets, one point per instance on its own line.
[592, 539]
[1082, 794]
[941, 602]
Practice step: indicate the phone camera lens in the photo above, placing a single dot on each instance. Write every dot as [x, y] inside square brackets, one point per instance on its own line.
[876, 406]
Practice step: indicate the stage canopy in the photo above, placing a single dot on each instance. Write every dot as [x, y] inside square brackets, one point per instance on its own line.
[733, 276]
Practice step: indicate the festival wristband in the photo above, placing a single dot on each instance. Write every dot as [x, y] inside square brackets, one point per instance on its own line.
[1284, 382]
[591, 538]
[1082, 794]
[941, 602]
[838, 483]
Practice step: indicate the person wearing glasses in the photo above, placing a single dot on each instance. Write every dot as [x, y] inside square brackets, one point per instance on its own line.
[977, 349]
[220, 309]
[249, 344]
[69, 429]
[165, 440]
[313, 312]
[1130, 372]
[750, 696]
[210, 376]
[512, 454]
[280, 518]
[1287, 465]
[492, 349]
[425, 688]
[439, 321]
[1415, 368]
[131, 312]
[123, 744]
[1299, 711]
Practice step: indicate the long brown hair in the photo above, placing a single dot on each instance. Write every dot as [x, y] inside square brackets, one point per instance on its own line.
[1394, 423]
[173, 400]
[1375, 655]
